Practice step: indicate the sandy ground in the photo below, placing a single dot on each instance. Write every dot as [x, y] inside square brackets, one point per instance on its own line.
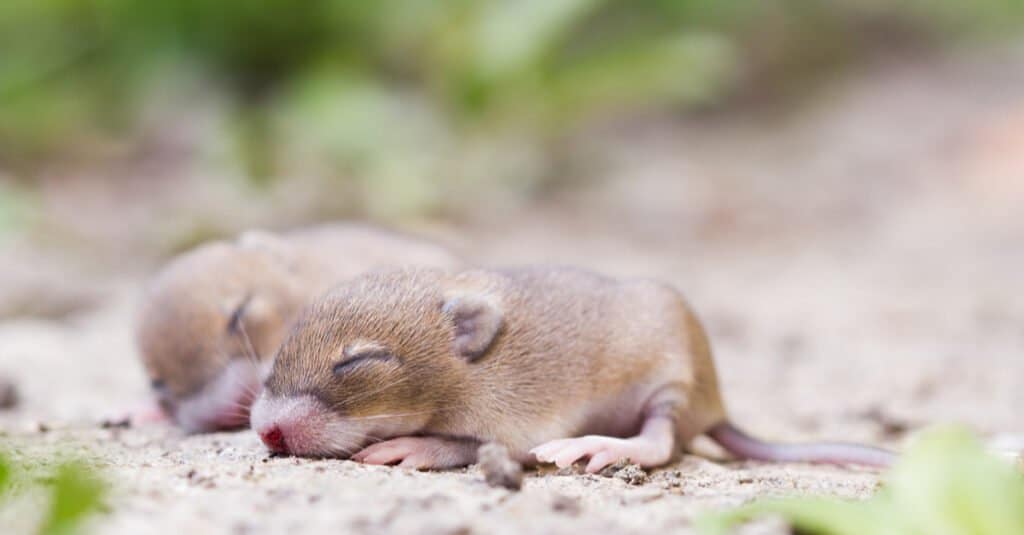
[859, 267]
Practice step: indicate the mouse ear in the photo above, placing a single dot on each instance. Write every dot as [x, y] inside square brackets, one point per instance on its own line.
[477, 322]
[250, 311]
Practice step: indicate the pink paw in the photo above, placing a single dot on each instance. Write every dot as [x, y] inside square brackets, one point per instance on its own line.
[602, 451]
[420, 453]
[151, 414]
[144, 414]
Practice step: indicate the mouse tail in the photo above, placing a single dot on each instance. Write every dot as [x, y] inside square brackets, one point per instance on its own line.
[740, 444]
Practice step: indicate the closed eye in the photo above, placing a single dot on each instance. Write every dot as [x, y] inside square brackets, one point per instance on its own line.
[235, 322]
[361, 359]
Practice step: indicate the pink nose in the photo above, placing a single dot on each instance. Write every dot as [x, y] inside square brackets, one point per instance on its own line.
[274, 439]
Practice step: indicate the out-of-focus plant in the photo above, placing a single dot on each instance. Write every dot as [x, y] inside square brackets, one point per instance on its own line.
[5, 475]
[17, 206]
[946, 484]
[73, 492]
[484, 79]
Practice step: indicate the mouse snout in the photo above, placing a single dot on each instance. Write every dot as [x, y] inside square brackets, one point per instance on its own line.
[303, 426]
[273, 437]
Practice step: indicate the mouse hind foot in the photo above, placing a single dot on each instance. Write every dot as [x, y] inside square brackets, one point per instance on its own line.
[653, 446]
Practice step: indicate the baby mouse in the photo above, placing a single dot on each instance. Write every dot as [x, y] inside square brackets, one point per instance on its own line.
[211, 319]
[418, 367]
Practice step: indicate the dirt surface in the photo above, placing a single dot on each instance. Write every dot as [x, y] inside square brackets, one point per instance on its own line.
[859, 267]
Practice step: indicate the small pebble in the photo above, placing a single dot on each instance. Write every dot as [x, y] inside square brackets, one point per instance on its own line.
[625, 470]
[116, 423]
[575, 469]
[8, 394]
[566, 505]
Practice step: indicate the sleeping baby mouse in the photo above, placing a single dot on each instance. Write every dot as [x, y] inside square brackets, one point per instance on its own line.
[212, 317]
[418, 367]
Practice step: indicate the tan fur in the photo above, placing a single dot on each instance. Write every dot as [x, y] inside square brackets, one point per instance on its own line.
[576, 353]
[184, 334]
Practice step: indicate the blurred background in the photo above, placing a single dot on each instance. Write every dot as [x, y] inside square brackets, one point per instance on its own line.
[836, 185]
[813, 174]
[159, 124]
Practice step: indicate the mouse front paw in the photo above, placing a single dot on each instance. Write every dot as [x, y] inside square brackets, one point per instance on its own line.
[143, 414]
[420, 453]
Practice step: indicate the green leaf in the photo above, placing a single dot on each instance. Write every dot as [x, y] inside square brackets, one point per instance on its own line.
[512, 34]
[76, 492]
[946, 484]
[688, 68]
[5, 475]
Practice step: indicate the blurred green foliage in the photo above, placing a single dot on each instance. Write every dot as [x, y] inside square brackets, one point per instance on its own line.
[946, 484]
[17, 209]
[73, 492]
[73, 71]
[5, 476]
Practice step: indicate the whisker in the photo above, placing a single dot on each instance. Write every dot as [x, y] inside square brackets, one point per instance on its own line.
[347, 450]
[398, 415]
[254, 358]
[240, 408]
[333, 429]
[250, 390]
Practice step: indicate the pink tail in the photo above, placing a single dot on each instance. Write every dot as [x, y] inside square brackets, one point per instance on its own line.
[740, 444]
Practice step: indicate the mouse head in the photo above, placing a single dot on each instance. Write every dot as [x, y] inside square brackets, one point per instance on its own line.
[378, 357]
[208, 324]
